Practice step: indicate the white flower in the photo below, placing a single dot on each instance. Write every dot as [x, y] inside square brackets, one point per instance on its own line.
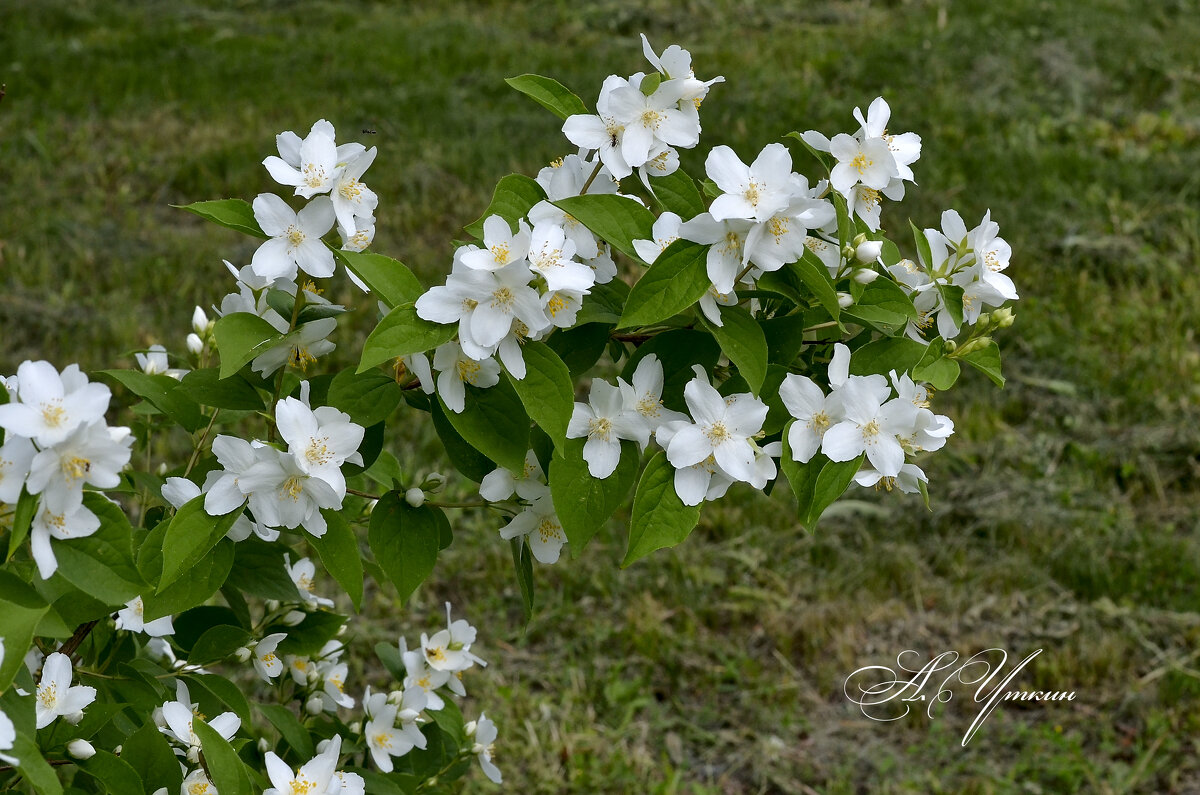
[711, 302]
[77, 522]
[450, 649]
[602, 132]
[664, 232]
[302, 574]
[195, 783]
[754, 193]
[319, 440]
[130, 618]
[484, 734]
[266, 662]
[484, 304]
[675, 64]
[500, 484]
[722, 428]
[314, 776]
[295, 238]
[284, 495]
[225, 493]
[643, 398]
[289, 144]
[92, 453]
[905, 147]
[563, 179]
[201, 325]
[540, 524]
[81, 749]
[300, 351]
[56, 696]
[814, 414]
[154, 362]
[870, 426]
[315, 166]
[333, 682]
[650, 121]
[604, 421]
[48, 406]
[384, 740]
[178, 719]
[868, 163]
[16, 454]
[552, 255]
[727, 239]
[908, 480]
[418, 673]
[352, 200]
[455, 369]
[501, 246]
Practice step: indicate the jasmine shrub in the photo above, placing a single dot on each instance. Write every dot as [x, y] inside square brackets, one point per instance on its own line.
[753, 324]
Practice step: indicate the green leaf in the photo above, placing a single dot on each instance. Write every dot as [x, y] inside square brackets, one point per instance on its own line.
[241, 337]
[744, 343]
[306, 638]
[389, 279]
[368, 398]
[340, 555]
[493, 421]
[677, 350]
[514, 196]
[404, 540]
[150, 754]
[236, 214]
[465, 458]
[677, 193]
[580, 347]
[226, 770]
[389, 655]
[935, 368]
[952, 297]
[217, 643]
[189, 537]
[546, 390]
[101, 565]
[650, 83]
[116, 774]
[884, 306]
[26, 509]
[550, 94]
[523, 565]
[289, 728]
[204, 579]
[660, 519]
[162, 391]
[224, 693]
[785, 338]
[619, 220]
[23, 610]
[815, 276]
[922, 244]
[585, 503]
[259, 570]
[676, 281]
[208, 388]
[402, 333]
[987, 361]
[603, 304]
[886, 354]
[817, 483]
[33, 766]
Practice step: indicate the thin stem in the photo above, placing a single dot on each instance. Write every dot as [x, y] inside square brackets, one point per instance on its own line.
[829, 324]
[483, 504]
[200, 445]
[364, 494]
[742, 275]
[595, 173]
[73, 642]
[296, 305]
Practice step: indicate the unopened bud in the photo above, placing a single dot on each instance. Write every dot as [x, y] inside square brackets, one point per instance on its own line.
[395, 697]
[951, 346]
[314, 706]
[199, 321]
[294, 617]
[74, 717]
[868, 250]
[272, 605]
[845, 300]
[414, 497]
[195, 344]
[1003, 317]
[81, 749]
[865, 275]
[355, 727]
[193, 755]
[433, 482]
[469, 729]
[263, 745]
[341, 630]
[118, 750]
[242, 654]
[162, 469]
[974, 345]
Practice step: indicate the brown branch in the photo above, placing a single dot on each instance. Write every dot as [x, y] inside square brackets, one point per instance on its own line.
[73, 642]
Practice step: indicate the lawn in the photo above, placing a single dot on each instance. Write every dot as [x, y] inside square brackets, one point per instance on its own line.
[1065, 509]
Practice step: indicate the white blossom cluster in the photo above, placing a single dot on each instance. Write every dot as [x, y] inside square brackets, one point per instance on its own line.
[537, 520]
[973, 261]
[520, 285]
[56, 443]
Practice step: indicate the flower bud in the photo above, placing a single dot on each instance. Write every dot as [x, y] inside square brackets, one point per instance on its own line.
[314, 706]
[272, 605]
[469, 729]
[294, 617]
[74, 718]
[433, 482]
[193, 755]
[951, 346]
[1003, 317]
[195, 344]
[865, 275]
[355, 727]
[81, 749]
[845, 300]
[974, 345]
[163, 470]
[414, 497]
[341, 630]
[242, 654]
[263, 745]
[395, 697]
[199, 322]
[868, 250]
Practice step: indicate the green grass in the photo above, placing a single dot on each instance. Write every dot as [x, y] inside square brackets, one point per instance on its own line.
[1065, 507]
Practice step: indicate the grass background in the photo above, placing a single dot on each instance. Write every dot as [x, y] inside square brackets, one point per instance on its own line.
[1065, 510]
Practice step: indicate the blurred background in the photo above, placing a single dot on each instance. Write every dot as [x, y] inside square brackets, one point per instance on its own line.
[1064, 512]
